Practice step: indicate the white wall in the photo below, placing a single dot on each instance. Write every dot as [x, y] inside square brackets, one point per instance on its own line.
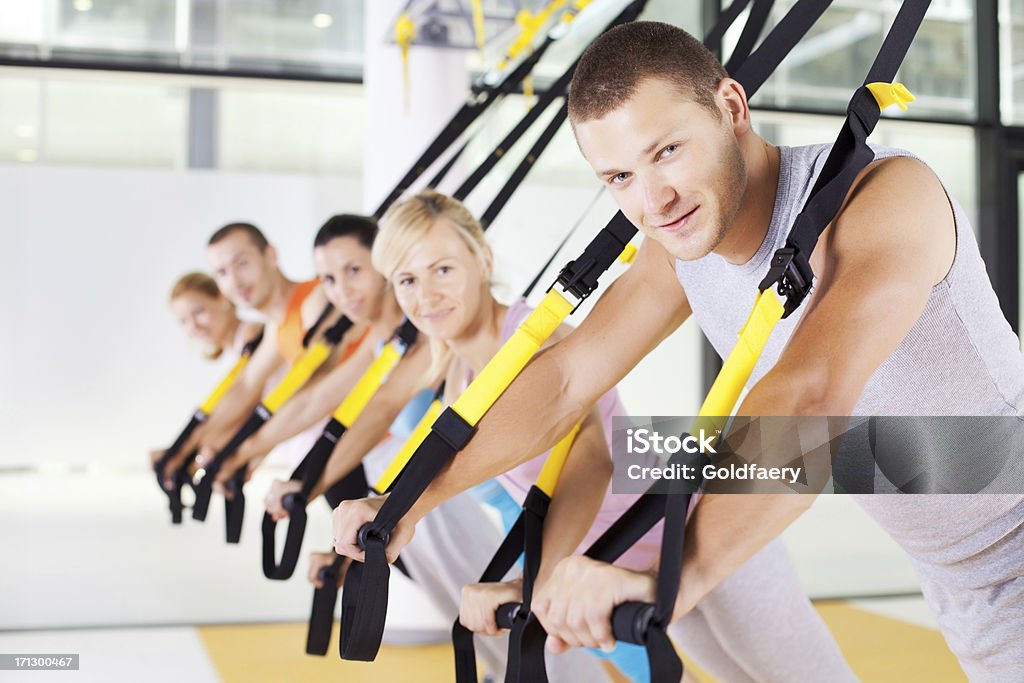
[94, 372]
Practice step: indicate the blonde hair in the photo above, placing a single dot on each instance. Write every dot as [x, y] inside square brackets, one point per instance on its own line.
[405, 224]
[199, 283]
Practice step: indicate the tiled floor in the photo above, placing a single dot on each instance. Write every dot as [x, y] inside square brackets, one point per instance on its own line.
[884, 640]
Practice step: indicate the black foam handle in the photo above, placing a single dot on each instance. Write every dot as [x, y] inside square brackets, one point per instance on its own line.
[507, 613]
[234, 506]
[631, 620]
[204, 490]
[295, 504]
[366, 530]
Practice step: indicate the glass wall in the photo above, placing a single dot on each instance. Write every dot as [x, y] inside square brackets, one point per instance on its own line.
[832, 60]
[300, 37]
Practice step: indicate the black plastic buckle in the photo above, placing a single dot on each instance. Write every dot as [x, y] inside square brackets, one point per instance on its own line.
[576, 279]
[790, 278]
[405, 335]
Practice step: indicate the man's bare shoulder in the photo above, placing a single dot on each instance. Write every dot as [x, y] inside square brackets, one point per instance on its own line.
[896, 209]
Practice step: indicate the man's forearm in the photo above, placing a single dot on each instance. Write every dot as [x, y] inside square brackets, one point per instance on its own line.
[529, 418]
[725, 531]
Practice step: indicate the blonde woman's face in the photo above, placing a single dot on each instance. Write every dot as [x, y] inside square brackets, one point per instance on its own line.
[440, 284]
[351, 283]
[205, 319]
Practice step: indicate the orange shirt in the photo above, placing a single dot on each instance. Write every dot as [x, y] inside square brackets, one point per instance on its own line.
[353, 347]
[290, 332]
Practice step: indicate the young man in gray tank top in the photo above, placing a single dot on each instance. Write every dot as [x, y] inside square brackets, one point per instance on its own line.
[902, 321]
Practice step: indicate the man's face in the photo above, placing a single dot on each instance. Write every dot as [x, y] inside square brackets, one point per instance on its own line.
[674, 169]
[242, 271]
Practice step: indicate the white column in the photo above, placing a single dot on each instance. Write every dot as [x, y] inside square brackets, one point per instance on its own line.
[402, 123]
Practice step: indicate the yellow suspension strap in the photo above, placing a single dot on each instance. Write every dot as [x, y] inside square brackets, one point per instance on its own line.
[364, 602]
[325, 598]
[180, 476]
[311, 469]
[297, 376]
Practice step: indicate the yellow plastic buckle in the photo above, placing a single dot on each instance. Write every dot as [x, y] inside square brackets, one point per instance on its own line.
[890, 93]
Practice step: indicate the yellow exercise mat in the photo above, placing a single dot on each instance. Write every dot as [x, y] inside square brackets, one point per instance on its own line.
[276, 653]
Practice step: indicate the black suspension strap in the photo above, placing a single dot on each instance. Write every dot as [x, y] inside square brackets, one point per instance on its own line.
[325, 598]
[482, 96]
[311, 469]
[312, 359]
[179, 477]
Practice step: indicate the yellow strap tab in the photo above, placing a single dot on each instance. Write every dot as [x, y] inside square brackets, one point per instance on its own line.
[478, 25]
[529, 25]
[405, 33]
[890, 93]
[412, 443]
[628, 254]
[367, 386]
[547, 480]
[303, 369]
[512, 357]
[214, 398]
[736, 370]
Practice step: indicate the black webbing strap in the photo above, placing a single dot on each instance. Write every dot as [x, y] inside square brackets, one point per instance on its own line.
[325, 598]
[178, 476]
[311, 332]
[321, 617]
[525, 538]
[501, 562]
[557, 89]
[790, 269]
[364, 601]
[752, 29]
[713, 39]
[526, 637]
[756, 69]
[234, 506]
[308, 472]
[448, 165]
[525, 166]
[478, 101]
[204, 489]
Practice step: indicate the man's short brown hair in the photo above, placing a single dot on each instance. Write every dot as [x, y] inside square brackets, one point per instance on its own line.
[249, 229]
[615, 64]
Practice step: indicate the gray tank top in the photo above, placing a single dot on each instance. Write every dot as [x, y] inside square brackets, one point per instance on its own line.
[960, 358]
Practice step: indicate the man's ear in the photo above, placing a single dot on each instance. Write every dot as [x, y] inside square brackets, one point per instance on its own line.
[270, 254]
[731, 99]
